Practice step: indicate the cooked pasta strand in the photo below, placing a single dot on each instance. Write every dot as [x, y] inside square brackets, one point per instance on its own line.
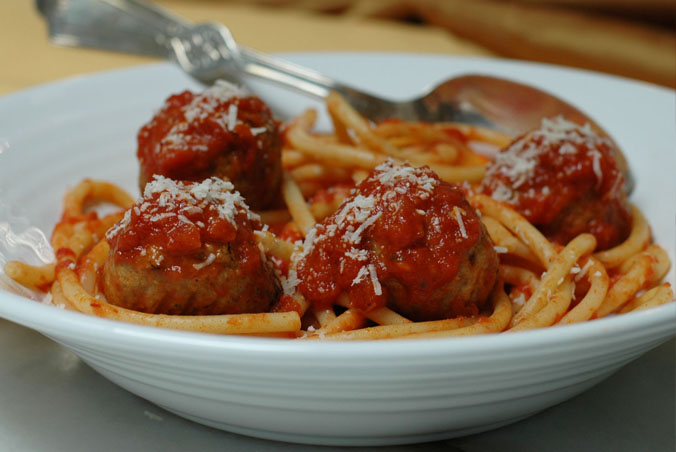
[218, 324]
[296, 203]
[637, 240]
[557, 272]
[497, 322]
[31, 276]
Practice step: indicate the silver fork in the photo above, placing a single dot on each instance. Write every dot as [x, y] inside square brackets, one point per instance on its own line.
[205, 51]
[208, 52]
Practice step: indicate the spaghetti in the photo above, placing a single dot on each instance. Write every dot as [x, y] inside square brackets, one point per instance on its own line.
[536, 282]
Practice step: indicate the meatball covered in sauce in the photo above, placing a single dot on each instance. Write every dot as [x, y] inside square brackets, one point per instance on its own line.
[221, 132]
[565, 179]
[402, 239]
[188, 248]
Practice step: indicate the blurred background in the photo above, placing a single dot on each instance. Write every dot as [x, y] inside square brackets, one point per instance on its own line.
[631, 38]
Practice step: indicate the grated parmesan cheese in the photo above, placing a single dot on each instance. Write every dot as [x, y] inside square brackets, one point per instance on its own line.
[202, 107]
[355, 237]
[357, 254]
[377, 288]
[164, 198]
[518, 162]
[360, 276]
[232, 117]
[290, 282]
[583, 271]
[359, 213]
[596, 166]
[185, 219]
[206, 262]
[159, 216]
[119, 226]
[157, 259]
[390, 174]
[461, 224]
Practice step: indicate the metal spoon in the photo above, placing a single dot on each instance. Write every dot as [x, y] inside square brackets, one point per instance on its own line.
[208, 52]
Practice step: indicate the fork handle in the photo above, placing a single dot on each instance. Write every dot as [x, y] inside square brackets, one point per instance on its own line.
[284, 72]
[311, 82]
[129, 26]
[135, 26]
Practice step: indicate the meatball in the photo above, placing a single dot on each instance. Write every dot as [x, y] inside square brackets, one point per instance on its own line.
[188, 248]
[402, 239]
[221, 132]
[566, 180]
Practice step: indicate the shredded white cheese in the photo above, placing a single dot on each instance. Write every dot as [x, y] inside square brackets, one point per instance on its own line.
[206, 262]
[232, 117]
[357, 254]
[361, 212]
[596, 166]
[583, 271]
[355, 237]
[518, 162]
[461, 224]
[164, 198]
[377, 288]
[202, 107]
[290, 282]
[360, 275]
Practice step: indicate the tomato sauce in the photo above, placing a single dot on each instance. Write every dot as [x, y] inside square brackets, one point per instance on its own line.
[179, 224]
[565, 179]
[402, 233]
[287, 303]
[220, 132]
[188, 248]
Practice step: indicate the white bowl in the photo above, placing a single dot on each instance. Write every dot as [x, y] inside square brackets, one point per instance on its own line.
[386, 392]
